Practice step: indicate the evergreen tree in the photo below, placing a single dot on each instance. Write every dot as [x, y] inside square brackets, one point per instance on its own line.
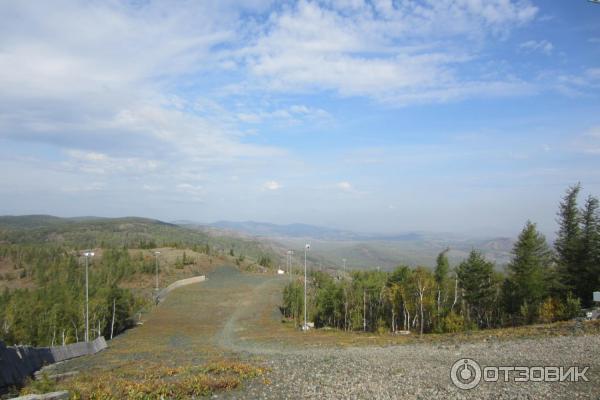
[568, 242]
[442, 266]
[528, 272]
[590, 251]
[477, 281]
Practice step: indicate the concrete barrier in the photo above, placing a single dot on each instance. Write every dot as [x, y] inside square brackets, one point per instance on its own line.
[62, 395]
[177, 284]
[19, 362]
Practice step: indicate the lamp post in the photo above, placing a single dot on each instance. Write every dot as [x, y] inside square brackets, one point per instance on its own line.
[87, 255]
[290, 253]
[344, 261]
[156, 254]
[306, 248]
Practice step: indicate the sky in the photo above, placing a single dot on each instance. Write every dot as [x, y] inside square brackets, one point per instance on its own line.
[464, 116]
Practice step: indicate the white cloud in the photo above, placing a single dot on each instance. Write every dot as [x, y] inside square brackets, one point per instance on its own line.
[151, 188]
[294, 114]
[86, 187]
[572, 84]
[97, 163]
[542, 46]
[593, 132]
[194, 192]
[397, 52]
[588, 142]
[272, 185]
[345, 186]
[96, 80]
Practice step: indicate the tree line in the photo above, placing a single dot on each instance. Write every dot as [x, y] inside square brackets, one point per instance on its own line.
[53, 312]
[541, 284]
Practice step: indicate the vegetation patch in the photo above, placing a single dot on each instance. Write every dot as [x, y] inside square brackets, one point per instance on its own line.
[152, 381]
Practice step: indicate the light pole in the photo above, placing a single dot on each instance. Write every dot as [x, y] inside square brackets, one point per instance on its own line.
[156, 254]
[306, 248]
[344, 261]
[290, 253]
[87, 255]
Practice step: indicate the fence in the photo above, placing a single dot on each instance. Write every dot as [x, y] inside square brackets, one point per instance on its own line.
[163, 293]
[19, 362]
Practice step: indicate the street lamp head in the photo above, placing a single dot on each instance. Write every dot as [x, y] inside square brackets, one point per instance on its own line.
[156, 253]
[307, 247]
[89, 254]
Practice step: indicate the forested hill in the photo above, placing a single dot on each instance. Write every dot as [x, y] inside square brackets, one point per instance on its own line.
[42, 279]
[128, 232]
[92, 231]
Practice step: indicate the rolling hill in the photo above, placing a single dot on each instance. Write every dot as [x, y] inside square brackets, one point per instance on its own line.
[130, 232]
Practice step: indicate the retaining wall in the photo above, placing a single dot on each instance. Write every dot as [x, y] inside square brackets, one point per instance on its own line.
[183, 282]
[19, 362]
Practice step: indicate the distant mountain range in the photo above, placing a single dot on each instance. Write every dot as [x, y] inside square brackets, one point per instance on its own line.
[264, 229]
[329, 245]
[361, 250]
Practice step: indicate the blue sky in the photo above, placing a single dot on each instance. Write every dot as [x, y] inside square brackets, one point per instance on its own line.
[460, 116]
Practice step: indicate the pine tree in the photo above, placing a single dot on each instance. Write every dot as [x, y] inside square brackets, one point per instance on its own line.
[590, 251]
[442, 266]
[440, 274]
[476, 279]
[528, 272]
[568, 242]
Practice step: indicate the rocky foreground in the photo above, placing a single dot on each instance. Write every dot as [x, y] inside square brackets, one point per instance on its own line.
[422, 371]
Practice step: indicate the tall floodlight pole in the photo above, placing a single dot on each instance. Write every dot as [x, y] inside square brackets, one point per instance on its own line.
[290, 253]
[156, 254]
[306, 248]
[344, 261]
[87, 255]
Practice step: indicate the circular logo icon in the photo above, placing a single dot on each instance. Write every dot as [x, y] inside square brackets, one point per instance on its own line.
[465, 374]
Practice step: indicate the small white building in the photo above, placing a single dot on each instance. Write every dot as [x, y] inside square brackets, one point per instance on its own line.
[280, 272]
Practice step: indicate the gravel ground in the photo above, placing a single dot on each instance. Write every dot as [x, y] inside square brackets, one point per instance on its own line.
[422, 371]
[411, 371]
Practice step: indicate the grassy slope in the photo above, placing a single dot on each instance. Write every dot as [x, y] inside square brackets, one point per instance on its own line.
[175, 344]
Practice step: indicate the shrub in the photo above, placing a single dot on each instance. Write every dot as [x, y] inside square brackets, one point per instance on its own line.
[453, 323]
[550, 310]
[572, 307]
